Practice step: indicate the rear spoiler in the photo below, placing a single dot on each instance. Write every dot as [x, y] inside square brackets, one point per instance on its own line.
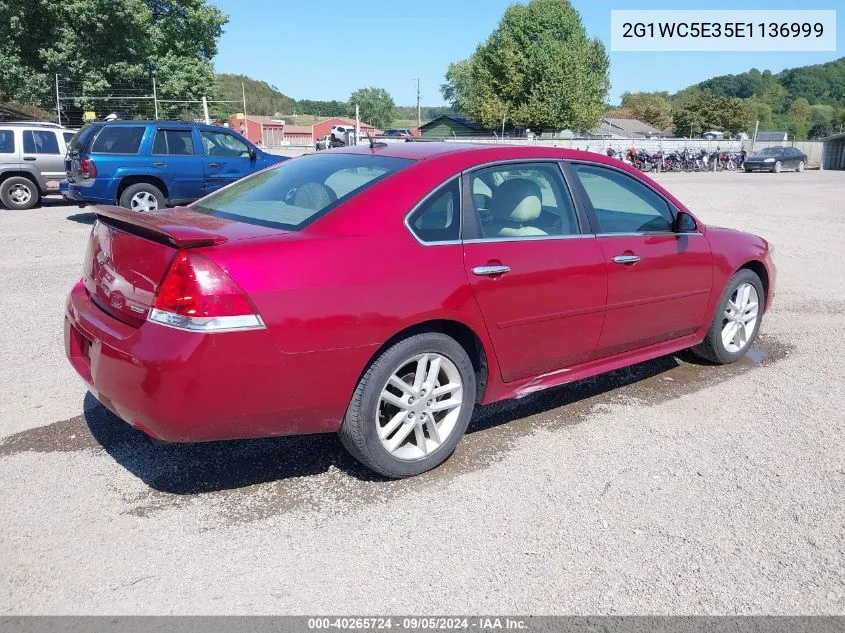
[165, 226]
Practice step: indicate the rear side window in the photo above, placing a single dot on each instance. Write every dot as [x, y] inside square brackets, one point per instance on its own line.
[7, 141]
[438, 218]
[174, 142]
[40, 142]
[297, 192]
[118, 139]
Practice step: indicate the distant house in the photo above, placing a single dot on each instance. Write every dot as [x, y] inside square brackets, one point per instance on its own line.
[291, 129]
[777, 137]
[626, 128]
[446, 126]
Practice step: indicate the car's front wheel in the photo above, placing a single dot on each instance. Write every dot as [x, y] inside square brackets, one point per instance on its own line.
[737, 320]
[800, 167]
[411, 406]
[18, 192]
[777, 167]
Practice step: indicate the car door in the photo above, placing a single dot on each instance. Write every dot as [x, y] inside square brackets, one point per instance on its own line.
[226, 158]
[177, 162]
[658, 280]
[540, 282]
[41, 149]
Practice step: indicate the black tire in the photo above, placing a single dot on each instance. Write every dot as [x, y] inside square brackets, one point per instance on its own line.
[9, 191]
[142, 188]
[359, 433]
[800, 166]
[747, 170]
[712, 348]
[776, 168]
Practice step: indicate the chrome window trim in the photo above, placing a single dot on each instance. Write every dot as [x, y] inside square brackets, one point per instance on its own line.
[425, 199]
[531, 238]
[646, 233]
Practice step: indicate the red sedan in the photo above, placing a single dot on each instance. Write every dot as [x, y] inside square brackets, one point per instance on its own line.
[383, 292]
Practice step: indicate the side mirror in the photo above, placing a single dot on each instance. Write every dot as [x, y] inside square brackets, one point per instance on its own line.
[252, 153]
[685, 223]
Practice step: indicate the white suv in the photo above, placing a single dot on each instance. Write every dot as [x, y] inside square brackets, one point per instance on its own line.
[342, 135]
[32, 162]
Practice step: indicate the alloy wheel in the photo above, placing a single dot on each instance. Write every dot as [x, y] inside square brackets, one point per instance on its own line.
[20, 194]
[419, 406]
[740, 318]
[143, 201]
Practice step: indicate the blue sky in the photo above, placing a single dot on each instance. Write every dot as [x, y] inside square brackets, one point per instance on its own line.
[326, 49]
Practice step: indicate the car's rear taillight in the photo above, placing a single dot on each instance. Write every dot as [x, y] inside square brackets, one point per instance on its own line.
[199, 296]
[88, 168]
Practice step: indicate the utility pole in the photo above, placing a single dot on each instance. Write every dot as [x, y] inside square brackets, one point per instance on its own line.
[419, 117]
[357, 124]
[246, 121]
[58, 100]
[205, 110]
[155, 98]
[754, 140]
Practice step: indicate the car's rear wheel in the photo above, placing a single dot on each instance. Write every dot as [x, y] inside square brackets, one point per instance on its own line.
[411, 406]
[777, 167]
[143, 197]
[800, 167]
[737, 320]
[18, 192]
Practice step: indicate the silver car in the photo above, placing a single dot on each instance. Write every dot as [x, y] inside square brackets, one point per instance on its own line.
[32, 162]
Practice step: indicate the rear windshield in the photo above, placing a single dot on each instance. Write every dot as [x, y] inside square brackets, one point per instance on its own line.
[297, 192]
[118, 139]
[81, 138]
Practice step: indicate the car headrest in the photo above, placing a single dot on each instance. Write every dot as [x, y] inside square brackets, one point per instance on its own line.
[517, 200]
[313, 195]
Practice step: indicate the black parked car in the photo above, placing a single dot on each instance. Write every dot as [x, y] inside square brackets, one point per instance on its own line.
[775, 159]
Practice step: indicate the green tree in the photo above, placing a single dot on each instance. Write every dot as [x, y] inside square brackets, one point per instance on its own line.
[820, 130]
[652, 107]
[800, 111]
[820, 113]
[758, 112]
[698, 112]
[96, 45]
[538, 69]
[375, 104]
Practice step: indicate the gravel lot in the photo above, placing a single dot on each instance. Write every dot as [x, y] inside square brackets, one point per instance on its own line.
[671, 487]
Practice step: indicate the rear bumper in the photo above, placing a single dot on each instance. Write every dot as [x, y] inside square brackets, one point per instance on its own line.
[98, 190]
[188, 387]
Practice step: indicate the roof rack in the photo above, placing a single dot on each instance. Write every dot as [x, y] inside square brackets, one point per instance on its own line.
[33, 123]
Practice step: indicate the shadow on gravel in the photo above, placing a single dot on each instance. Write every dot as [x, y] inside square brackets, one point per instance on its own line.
[233, 466]
[82, 218]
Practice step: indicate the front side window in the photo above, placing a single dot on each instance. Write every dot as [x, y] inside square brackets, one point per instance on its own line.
[297, 192]
[40, 142]
[223, 144]
[174, 142]
[523, 200]
[621, 204]
[7, 141]
[68, 136]
[438, 218]
[118, 139]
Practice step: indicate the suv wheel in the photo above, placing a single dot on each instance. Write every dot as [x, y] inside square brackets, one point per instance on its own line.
[142, 197]
[18, 192]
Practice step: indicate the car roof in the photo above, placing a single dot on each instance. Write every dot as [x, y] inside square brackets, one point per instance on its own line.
[119, 122]
[422, 150]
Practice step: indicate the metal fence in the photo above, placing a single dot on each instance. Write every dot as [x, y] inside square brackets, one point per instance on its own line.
[813, 149]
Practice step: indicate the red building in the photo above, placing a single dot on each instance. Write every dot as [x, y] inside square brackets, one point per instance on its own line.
[287, 129]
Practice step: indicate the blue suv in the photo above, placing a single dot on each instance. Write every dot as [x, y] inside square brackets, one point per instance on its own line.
[147, 165]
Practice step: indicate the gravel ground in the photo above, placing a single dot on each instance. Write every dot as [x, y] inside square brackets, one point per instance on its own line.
[671, 487]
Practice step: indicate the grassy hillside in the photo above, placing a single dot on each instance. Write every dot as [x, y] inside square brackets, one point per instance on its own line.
[261, 97]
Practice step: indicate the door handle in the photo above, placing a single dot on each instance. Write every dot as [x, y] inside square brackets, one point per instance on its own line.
[214, 164]
[489, 271]
[159, 164]
[626, 259]
[29, 157]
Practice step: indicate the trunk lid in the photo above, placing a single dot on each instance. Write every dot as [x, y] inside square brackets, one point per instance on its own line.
[129, 253]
